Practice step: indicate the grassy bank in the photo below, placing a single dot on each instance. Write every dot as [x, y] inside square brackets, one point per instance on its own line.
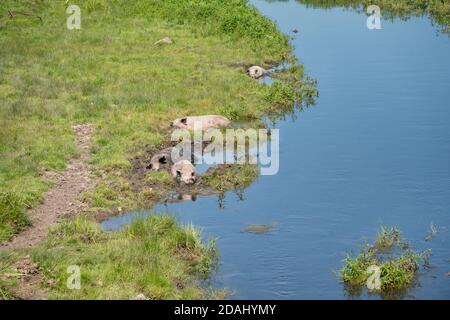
[437, 10]
[111, 74]
[153, 257]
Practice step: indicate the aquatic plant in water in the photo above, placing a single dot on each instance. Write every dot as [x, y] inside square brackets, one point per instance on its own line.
[390, 261]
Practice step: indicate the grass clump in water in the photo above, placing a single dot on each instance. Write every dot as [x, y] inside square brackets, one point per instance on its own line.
[154, 256]
[387, 238]
[232, 177]
[398, 264]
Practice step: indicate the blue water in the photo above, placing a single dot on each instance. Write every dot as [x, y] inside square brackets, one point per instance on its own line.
[375, 150]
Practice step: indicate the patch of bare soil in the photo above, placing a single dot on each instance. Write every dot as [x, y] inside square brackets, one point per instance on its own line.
[63, 199]
[29, 278]
[140, 167]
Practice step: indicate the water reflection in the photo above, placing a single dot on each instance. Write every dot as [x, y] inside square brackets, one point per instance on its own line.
[437, 11]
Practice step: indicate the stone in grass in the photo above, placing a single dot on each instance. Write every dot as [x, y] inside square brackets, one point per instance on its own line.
[165, 40]
[139, 297]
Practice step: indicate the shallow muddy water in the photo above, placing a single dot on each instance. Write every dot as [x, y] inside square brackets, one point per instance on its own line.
[375, 150]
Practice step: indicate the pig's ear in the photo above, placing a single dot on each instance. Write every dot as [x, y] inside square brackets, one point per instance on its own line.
[183, 120]
[150, 166]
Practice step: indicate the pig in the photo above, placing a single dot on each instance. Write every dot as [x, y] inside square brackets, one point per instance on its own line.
[184, 171]
[162, 157]
[256, 72]
[206, 122]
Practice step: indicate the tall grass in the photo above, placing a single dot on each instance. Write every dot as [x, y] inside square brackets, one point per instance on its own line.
[153, 256]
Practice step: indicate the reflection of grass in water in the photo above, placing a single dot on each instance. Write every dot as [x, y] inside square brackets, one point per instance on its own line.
[398, 264]
[433, 231]
[438, 10]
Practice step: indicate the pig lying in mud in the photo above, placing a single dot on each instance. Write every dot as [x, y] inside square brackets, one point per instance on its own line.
[256, 72]
[206, 122]
[183, 151]
[184, 171]
[162, 157]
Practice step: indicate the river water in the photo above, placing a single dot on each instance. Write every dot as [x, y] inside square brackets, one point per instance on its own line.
[375, 150]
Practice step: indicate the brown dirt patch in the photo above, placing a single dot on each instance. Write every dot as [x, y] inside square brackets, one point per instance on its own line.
[63, 199]
[30, 279]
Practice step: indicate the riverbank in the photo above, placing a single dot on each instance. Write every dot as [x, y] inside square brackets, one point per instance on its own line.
[111, 75]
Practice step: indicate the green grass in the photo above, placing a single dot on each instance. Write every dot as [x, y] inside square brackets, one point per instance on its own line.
[399, 265]
[12, 216]
[152, 256]
[387, 238]
[8, 276]
[110, 74]
[237, 177]
[159, 178]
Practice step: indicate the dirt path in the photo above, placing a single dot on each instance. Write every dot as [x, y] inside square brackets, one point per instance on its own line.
[61, 200]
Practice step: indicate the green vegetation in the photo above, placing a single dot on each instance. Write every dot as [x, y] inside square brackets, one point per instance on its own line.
[12, 214]
[159, 178]
[438, 10]
[152, 256]
[233, 177]
[387, 238]
[398, 264]
[8, 278]
[112, 75]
